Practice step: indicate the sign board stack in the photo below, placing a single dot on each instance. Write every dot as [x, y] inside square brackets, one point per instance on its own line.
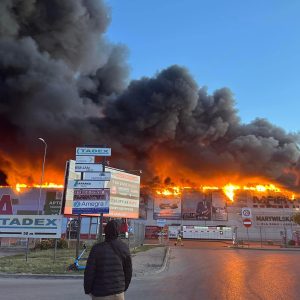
[90, 195]
[247, 217]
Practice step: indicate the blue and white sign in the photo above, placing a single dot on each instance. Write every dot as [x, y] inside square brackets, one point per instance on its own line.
[93, 151]
[88, 167]
[93, 201]
[85, 159]
[86, 184]
[30, 226]
[90, 207]
[246, 213]
[106, 176]
[161, 222]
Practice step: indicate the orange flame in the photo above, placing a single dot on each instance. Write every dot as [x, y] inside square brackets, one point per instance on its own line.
[228, 189]
[47, 185]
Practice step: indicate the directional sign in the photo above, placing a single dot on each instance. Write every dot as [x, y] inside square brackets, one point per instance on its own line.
[247, 223]
[86, 184]
[106, 176]
[88, 167]
[85, 159]
[93, 151]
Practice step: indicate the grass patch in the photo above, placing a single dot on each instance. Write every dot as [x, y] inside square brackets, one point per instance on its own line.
[42, 261]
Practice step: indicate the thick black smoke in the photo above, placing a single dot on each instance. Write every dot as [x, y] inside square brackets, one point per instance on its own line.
[62, 80]
[56, 71]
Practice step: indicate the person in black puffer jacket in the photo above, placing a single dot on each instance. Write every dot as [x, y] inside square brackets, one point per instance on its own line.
[109, 268]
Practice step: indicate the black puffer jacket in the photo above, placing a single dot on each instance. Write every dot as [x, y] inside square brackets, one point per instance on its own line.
[108, 273]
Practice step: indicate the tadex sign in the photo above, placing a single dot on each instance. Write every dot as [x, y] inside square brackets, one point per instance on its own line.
[93, 151]
[30, 226]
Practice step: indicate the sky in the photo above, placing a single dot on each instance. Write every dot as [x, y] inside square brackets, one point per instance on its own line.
[251, 47]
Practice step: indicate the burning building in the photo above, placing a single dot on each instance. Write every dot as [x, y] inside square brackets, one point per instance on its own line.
[60, 78]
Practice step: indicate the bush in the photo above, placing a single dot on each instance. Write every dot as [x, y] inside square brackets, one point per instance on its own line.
[62, 244]
[46, 244]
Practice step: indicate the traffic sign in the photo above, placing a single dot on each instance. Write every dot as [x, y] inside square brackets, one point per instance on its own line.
[93, 151]
[246, 213]
[88, 167]
[106, 176]
[247, 223]
[85, 159]
[86, 184]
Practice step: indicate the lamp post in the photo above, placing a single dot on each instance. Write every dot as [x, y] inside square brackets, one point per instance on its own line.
[43, 169]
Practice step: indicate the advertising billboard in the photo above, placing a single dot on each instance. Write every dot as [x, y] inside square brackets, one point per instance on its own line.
[196, 205]
[167, 207]
[124, 192]
[219, 206]
[25, 201]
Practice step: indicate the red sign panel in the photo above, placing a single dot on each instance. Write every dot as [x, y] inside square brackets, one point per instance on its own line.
[247, 223]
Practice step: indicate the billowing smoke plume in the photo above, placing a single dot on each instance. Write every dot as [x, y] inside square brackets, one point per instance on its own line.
[62, 80]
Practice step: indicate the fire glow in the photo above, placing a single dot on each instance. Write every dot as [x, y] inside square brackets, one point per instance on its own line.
[228, 189]
[19, 186]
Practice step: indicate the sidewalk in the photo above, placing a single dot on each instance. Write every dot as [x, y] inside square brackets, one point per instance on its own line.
[150, 261]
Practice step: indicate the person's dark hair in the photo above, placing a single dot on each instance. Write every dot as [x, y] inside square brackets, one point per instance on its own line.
[111, 230]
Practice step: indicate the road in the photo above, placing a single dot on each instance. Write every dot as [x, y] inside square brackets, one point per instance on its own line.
[195, 271]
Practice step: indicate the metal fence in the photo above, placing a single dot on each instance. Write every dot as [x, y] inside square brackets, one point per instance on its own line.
[136, 236]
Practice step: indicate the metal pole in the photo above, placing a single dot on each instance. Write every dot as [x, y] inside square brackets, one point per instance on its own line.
[27, 248]
[260, 237]
[248, 238]
[78, 236]
[42, 176]
[100, 237]
[55, 248]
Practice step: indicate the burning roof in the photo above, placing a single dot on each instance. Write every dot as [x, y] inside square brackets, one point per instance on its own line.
[61, 79]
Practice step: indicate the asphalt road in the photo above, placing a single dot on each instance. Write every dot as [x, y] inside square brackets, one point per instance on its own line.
[195, 271]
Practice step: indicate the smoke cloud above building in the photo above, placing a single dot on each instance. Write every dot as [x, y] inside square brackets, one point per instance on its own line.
[63, 80]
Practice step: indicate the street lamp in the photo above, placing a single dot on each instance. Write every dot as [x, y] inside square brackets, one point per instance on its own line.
[43, 169]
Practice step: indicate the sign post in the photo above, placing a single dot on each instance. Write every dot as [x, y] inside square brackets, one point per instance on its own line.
[247, 223]
[90, 195]
[101, 215]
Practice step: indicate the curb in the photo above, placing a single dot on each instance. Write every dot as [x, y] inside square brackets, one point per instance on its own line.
[264, 249]
[166, 259]
[41, 276]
